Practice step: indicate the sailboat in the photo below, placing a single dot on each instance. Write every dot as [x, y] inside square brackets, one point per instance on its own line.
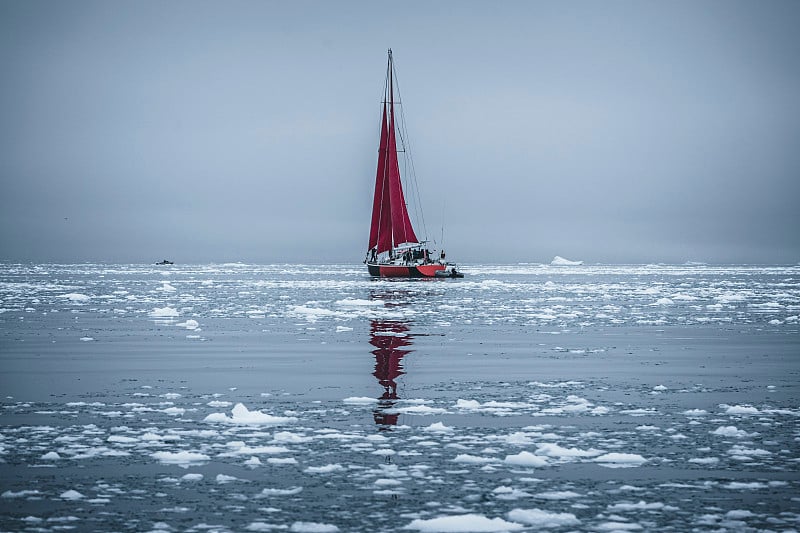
[394, 250]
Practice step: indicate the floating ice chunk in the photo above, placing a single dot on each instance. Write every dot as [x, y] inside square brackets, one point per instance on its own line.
[340, 329]
[76, 297]
[240, 415]
[281, 460]
[223, 479]
[695, 412]
[732, 431]
[87, 339]
[641, 505]
[218, 403]
[253, 461]
[360, 303]
[639, 411]
[326, 469]
[620, 460]
[742, 485]
[263, 526]
[385, 452]
[540, 518]
[660, 388]
[121, 439]
[360, 400]
[182, 458]
[664, 301]
[164, 312]
[473, 405]
[166, 287]
[313, 527]
[560, 261]
[71, 495]
[740, 452]
[526, 459]
[192, 477]
[466, 523]
[517, 438]
[472, 459]
[617, 526]
[438, 427]
[282, 492]
[509, 493]
[704, 460]
[289, 438]
[19, 493]
[153, 437]
[51, 456]
[189, 324]
[417, 410]
[557, 495]
[554, 450]
[173, 411]
[739, 409]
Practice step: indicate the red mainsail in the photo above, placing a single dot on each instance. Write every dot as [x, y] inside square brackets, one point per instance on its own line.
[391, 224]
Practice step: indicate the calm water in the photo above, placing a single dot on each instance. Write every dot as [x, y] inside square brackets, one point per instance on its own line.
[519, 398]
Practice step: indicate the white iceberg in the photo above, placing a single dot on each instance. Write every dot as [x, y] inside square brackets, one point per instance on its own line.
[560, 261]
[240, 415]
[463, 524]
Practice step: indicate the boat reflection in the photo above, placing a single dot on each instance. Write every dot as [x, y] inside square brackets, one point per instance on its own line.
[391, 341]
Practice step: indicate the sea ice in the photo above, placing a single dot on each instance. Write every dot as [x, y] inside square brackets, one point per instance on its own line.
[526, 459]
[466, 523]
[325, 469]
[732, 431]
[182, 458]
[472, 459]
[554, 450]
[640, 506]
[313, 527]
[438, 427]
[739, 409]
[240, 415]
[164, 312]
[544, 519]
[281, 492]
[620, 460]
[76, 297]
[363, 400]
[71, 495]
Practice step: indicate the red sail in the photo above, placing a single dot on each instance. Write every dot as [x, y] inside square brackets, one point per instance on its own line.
[380, 233]
[391, 224]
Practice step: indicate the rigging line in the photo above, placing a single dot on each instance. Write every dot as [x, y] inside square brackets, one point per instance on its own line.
[409, 159]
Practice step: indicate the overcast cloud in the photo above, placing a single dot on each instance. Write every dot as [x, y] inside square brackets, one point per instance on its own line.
[622, 131]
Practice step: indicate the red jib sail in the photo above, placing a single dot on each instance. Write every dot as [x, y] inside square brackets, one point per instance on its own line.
[391, 224]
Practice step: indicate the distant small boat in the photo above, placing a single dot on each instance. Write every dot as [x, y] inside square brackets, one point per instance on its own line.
[165, 262]
[394, 250]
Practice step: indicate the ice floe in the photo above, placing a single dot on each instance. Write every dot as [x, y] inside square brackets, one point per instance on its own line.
[465, 523]
[240, 415]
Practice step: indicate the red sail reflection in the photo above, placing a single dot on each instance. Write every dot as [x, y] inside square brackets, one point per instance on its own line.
[390, 338]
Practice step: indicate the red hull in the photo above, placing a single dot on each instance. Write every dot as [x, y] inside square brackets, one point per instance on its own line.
[398, 271]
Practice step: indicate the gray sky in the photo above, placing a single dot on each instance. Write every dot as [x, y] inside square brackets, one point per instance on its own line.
[620, 131]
